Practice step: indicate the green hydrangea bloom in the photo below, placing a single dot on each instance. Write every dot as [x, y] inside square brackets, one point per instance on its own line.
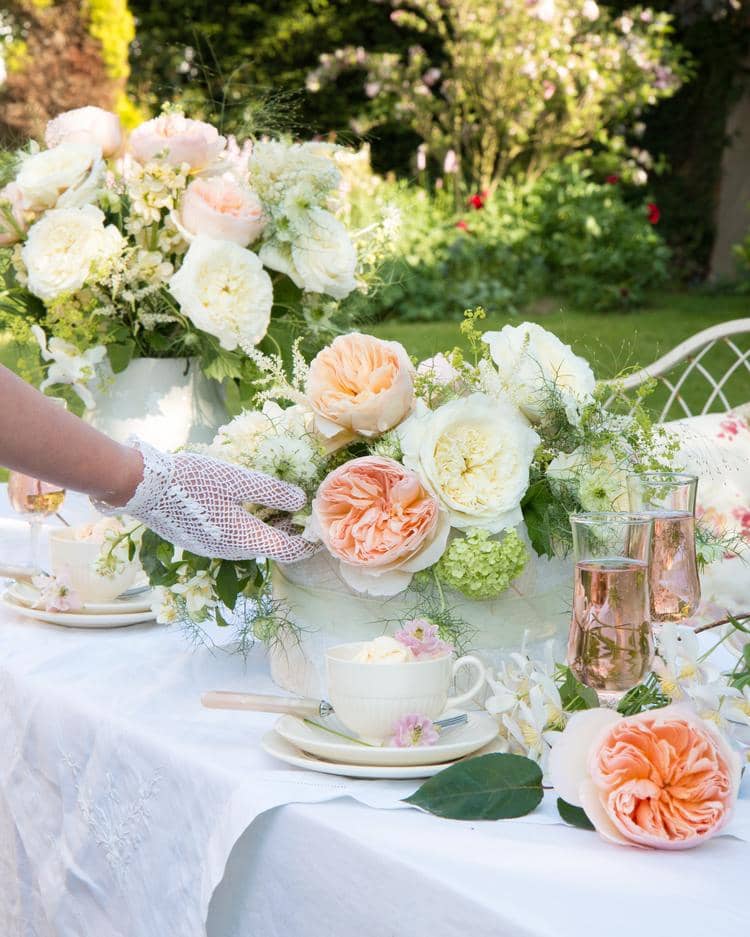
[480, 567]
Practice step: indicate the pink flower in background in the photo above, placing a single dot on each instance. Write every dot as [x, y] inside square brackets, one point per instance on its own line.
[222, 209]
[414, 730]
[56, 593]
[177, 139]
[663, 778]
[612, 179]
[423, 639]
[86, 125]
[450, 163]
[731, 427]
[438, 368]
[462, 225]
[478, 199]
[654, 213]
[548, 89]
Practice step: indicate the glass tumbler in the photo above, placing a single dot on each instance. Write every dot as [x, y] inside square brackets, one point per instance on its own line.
[610, 646]
[673, 575]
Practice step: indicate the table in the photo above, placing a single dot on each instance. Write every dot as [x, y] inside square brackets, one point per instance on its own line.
[128, 810]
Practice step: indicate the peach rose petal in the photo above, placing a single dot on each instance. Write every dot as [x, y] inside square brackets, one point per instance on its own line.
[589, 799]
[568, 760]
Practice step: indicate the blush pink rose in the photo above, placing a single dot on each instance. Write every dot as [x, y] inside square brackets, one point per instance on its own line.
[86, 125]
[178, 140]
[361, 385]
[14, 216]
[377, 519]
[663, 778]
[222, 209]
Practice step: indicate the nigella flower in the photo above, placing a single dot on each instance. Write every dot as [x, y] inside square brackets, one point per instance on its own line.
[423, 639]
[414, 730]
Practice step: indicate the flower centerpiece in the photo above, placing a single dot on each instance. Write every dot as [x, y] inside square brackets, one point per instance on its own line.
[437, 492]
[174, 243]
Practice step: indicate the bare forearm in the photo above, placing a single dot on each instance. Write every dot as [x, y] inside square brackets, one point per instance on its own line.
[39, 438]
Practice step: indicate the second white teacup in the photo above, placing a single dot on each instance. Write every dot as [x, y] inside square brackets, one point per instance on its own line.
[77, 560]
[370, 698]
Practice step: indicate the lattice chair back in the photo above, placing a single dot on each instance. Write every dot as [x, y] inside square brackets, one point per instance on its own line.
[711, 368]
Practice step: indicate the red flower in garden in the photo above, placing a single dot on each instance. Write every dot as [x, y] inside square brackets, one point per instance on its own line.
[613, 179]
[462, 225]
[654, 214]
[478, 199]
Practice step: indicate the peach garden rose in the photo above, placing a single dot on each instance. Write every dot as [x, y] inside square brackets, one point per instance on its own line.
[222, 209]
[664, 778]
[377, 519]
[360, 386]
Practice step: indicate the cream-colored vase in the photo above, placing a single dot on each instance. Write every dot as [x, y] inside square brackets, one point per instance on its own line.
[327, 613]
[168, 402]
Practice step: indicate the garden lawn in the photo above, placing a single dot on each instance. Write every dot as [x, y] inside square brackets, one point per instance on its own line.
[615, 342]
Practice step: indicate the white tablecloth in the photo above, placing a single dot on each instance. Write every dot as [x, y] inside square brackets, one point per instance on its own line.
[127, 810]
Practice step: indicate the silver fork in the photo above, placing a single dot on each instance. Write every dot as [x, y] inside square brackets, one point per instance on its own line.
[450, 722]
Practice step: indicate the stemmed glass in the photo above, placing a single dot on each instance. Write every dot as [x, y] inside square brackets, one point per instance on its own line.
[36, 500]
[610, 646]
[669, 498]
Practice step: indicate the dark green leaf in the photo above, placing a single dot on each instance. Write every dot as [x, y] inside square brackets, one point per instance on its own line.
[195, 561]
[575, 816]
[120, 355]
[574, 694]
[131, 550]
[227, 587]
[220, 619]
[489, 787]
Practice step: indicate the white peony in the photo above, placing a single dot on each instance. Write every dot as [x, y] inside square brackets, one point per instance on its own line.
[67, 176]
[532, 363]
[321, 259]
[66, 247]
[474, 454]
[224, 290]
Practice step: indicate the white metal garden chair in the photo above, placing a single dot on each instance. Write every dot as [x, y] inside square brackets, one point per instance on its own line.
[695, 353]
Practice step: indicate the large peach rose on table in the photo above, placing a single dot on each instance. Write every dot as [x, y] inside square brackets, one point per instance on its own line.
[663, 778]
[177, 139]
[222, 209]
[360, 386]
[378, 520]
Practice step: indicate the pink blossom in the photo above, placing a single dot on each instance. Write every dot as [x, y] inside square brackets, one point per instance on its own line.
[423, 639]
[414, 730]
[55, 593]
[450, 163]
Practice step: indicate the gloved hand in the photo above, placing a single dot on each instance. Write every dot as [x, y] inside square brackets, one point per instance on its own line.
[196, 502]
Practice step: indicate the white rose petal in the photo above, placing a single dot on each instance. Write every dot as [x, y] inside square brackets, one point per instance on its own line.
[67, 176]
[474, 455]
[224, 290]
[66, 247]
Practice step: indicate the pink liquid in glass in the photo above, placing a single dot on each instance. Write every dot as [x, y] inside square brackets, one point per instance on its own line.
[611, 644]
[675, 586]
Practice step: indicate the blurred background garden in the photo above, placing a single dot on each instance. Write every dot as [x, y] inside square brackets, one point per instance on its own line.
[584, 164]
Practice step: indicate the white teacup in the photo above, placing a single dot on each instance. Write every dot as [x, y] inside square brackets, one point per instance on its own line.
[370, 698]
[77, 560]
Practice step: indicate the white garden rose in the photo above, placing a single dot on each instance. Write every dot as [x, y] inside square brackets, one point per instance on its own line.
[532, 363]
[321, 259]
[224, 290]
[474, 454]
[67, 176]
[86, 125]
[67, 247]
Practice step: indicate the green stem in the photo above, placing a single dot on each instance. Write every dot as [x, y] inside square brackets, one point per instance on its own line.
[341, 735]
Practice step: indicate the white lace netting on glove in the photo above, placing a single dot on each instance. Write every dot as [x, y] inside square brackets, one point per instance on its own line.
[196, 502]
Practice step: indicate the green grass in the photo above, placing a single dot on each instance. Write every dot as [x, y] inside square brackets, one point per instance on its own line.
[614, 342]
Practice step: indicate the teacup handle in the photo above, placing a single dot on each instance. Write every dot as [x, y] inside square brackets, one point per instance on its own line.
[454, 702]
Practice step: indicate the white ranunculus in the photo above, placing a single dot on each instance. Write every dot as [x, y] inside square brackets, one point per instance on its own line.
[224, 290]
[66, 247]
[533, 364]
[321, 259]
[67, 176]
[474, 454]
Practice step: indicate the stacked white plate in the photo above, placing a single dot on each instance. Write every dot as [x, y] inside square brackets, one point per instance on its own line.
[131, 608]
[303, 745]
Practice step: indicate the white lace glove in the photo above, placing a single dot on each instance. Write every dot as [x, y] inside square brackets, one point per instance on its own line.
[196, 502]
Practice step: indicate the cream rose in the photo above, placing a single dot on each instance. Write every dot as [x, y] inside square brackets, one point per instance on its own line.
[532, 362]
[224, 290]
[13, 214]
[474, 454]
[86, 125]
[384, 650]
[178, 140]
[66, 247]
[360, 385]
[220, 208]
[321, 259]
[68, 176]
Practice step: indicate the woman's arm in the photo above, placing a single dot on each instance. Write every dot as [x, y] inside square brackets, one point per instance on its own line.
[40, 438]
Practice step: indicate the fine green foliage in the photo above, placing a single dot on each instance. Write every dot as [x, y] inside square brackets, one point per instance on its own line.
[574, 816]
[489, 787]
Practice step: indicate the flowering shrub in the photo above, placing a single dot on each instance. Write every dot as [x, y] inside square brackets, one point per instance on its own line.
[516, 85]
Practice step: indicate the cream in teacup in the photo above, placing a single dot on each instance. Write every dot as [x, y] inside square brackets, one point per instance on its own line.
[384, 650]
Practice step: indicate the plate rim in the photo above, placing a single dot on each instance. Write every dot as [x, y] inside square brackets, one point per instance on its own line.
[78, 620]
[90, 608]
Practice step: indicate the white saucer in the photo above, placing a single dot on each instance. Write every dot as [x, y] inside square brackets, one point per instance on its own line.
[456, 743]
[24, 593]
[274, 745]
[78, 619]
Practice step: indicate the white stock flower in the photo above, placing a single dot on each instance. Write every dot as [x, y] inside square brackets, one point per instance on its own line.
[533, 364]
[474, 454]
[68, 365]
[67, 176]
[224, 290]
[320, 259]
[66, 247]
